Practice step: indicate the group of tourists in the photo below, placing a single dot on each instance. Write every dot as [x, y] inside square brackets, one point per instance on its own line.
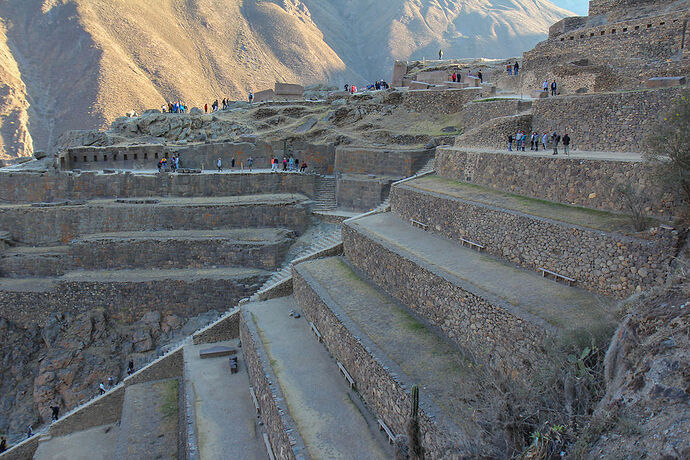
[290, 163]
[176, 107]
[456, 77]
[546, 140]
[554, 87]
[250, 164]
[513, 69]
[173, 164]
[380, 84]
[352, 89]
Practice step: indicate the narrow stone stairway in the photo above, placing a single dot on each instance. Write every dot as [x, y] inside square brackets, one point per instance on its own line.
[325, 194]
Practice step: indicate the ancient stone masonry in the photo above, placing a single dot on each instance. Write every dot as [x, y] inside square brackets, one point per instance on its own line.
[599, 7]
[478, 112]
[42, 187]
[382, 384]
[589, 183]
[280, 427]
[448, 101]
[61, 224]
[380, 161]
[128, 294]
[507, 339]
[608, 263]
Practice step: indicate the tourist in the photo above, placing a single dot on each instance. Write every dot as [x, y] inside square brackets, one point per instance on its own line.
[455, 77]
[303, 166]
[566, 143]
[29, 432]
[291, 163]
[101, 389]
[205, 108]
[296, 164]
[556, 139]
[273, 164]
[440, 55]
[251, 97]
[545, 86]
[544, 140]
[534, 141]
[554, 88]
[510, 142]
[518, 140]
[524, 141]
[347, 88]
[509, 69]
[232, 163]
[284, 164]
[516, 67]
[481, 77]
[130, 367]
[219, 163]
[250, 162]
[56, 412]
[111, 380]
[3, 444]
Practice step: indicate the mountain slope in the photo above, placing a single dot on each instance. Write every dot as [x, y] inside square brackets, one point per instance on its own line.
[76, 64]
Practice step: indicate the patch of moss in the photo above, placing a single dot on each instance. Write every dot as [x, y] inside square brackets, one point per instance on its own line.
[169, 407]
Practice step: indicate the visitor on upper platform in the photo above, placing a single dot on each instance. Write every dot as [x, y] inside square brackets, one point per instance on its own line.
[440, 54]
[516, 67]
[219, 163]
[251, 97]
[481, 77]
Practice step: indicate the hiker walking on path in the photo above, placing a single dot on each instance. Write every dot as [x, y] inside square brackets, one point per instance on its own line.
[516, 67]
[101, 389]
[3, 444]
[545, 140]
[251, 97]
[481, 77]
[556, 139]
[566, 143]
[29, 432]
[250, 162]
[130, 367]
[55, 412]
[220, 165]
[554, 88]
[545, 86]
[510, 142]
[232, 164]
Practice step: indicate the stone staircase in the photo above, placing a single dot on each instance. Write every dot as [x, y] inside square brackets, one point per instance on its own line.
[325, 194]
[284, 275]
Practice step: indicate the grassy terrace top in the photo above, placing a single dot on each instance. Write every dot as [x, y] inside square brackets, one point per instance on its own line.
[585, 217]
[443, 373]
[237, 235]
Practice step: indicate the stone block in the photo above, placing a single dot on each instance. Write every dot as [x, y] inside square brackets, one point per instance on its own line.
[399, 71]
[289, 89]
[665, 82]
[418, 85]
[265, 95]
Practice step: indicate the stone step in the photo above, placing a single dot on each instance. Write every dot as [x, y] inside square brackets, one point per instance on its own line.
[458, 290]
[386, 350]
[600, 250]
[327, 412]
[150, 422]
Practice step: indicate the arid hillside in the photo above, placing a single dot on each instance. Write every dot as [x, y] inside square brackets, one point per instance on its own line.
[74, 64]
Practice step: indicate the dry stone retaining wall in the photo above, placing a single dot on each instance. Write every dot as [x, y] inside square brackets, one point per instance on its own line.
[494, 132]
[380, 161]
[282, 431]
[61, 224]
[226, 328]
[446, 101]
[487, 327]
[478, 112]
[607, 263]
[358, 192]
[382, 383]
[608, 122]
[43, 187]
[588, 183]
[128, 300]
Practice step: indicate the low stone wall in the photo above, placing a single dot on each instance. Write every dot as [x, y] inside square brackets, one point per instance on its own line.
[480, 323]
[588, 183]
[446, 101]
[128, 300]
[380, 161]
[283, 435]
[478, 112]
[361, 193]
[42, 226]
[106, 252]
[23, 451]
[382, 384]
[25, 187]
[603, 262]
[226, 328]
[494, 132]
[26, 265]
[609, 122]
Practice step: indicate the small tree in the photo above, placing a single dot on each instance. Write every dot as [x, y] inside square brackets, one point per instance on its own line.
[668, 151]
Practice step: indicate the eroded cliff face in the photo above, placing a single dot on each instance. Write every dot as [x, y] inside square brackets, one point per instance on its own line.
[79, 64]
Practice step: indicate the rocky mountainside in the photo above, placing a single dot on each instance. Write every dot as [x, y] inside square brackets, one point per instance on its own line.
[74, 64]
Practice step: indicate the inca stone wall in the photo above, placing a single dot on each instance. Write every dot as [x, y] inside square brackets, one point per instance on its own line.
[608, 263]
[382, 384]
[433, 101]
[120, 252]
[588, 183]
[61, 224]
[127, 299]
[227, 328]
[488, 328]
[282, 431]
[608, 122]
[597, 7]
[494, 133]
[198, 156]
[42, 187]
[478, 112]
[361, 193]
[380, 161]
[625, 44]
